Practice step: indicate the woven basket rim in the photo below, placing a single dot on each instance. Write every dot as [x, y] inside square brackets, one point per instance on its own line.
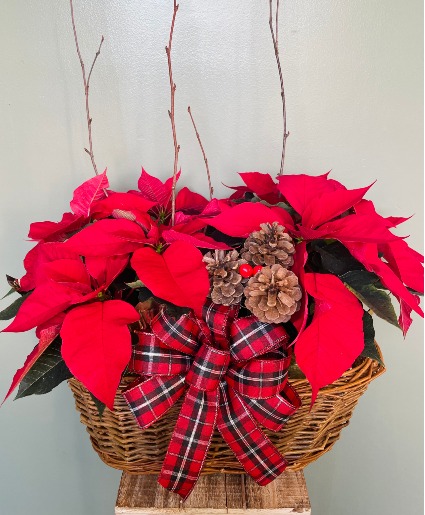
[308, 434]
[348, 378]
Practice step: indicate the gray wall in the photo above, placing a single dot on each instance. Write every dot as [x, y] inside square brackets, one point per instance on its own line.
[353, 73]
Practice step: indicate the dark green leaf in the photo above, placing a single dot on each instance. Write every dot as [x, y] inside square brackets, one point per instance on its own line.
[223, 238]
[46, 373]
[418, 293]
[370, 348]
[99, 405]
[12, 290]
[144, 294]
[336, 258]
[290, 329]
[368, 329]
[247, 197]
[11, 310]
[363, 285]
[283, 205]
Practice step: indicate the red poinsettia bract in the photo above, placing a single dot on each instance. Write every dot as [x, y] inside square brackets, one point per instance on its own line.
[320, 202]
[327, 210]
[71, 268]
[242, 219]
[96, 345]
[178, 275]
[334, 338]
[92, 322]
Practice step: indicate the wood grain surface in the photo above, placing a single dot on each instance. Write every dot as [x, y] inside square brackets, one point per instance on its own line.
[215, 494]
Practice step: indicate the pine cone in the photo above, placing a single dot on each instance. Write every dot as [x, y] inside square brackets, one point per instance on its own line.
[271, 245]
[273, 294]
[227, 284]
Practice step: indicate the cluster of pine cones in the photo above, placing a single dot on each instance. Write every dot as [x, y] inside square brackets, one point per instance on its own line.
[272, 294]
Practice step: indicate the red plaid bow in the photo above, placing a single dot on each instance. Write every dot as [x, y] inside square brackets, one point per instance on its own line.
[215, 362]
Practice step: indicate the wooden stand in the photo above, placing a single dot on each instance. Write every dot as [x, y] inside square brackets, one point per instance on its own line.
[215, 494]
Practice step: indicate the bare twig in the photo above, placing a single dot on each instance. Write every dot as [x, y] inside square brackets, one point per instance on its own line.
[171, 114]
[277, 23]
[203, 153]
[102, 39]
[86, 81]
[276, 51]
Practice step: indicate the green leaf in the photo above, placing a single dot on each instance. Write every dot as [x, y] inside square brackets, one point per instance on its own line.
[336, 258]
[12, 290]
[283, 205]
[368, 329]
[144, 294]
[46, 373]
[11, 310]
[364, 287]
[370, 348]
[99, 405]
[418, 293]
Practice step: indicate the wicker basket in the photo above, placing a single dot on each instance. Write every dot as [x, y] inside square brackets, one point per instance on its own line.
[308, 434]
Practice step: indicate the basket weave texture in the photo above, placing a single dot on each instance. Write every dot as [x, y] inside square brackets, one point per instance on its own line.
[121, 444]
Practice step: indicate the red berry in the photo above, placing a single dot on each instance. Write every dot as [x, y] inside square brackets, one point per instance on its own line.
[257, 269]
[245, 270]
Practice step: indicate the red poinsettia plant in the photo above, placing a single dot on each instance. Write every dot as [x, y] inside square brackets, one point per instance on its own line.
[180, 298]
[92, 277]
[301, 252]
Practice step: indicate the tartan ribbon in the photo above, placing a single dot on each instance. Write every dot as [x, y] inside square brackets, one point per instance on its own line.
[232, 373]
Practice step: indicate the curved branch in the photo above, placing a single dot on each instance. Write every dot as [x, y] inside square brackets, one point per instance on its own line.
[86, 81]
[282, 89]
[171, 114]
[203, 153]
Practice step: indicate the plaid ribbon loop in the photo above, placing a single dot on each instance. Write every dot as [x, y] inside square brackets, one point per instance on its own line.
[152, 358]
[260, 378]
[232, 373]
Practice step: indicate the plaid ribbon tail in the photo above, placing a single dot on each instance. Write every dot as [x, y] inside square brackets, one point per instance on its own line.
[274, 412]
[149, 400]
[190, 441]
[257, 455]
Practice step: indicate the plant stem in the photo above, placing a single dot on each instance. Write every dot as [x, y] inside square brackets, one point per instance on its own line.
[282, 89]
[86, 82]
[203, 153]
[171, 114]
[277, 23]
